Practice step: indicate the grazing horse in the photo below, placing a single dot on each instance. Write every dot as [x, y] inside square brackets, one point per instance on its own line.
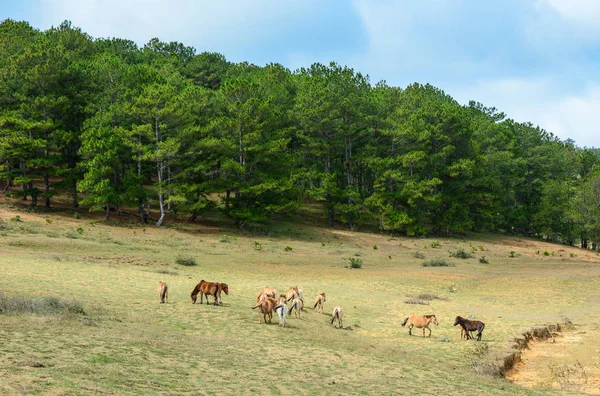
[223, 287]
[298, 305]
[338, 313]
[163, 292]
[320, 301]
[265, 293]
[420, 322]
[265, 307]
[470, 325]
[205, 289]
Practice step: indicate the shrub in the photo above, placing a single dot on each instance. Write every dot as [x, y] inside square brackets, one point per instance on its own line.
[80, 230]
[429, 297]
[374, 247]
[437, 262]
[435, 244]
[512, 254]
[418, 255]
[186, 260]
[43, 306]
[225, 239]
[461, 254]
[257, 245]
[546, 253]
[49, 221]
[16, 219]
[572, 254]
[416, 302]
[483, 260]
[288, 249]
[355, 262]
[72, 235]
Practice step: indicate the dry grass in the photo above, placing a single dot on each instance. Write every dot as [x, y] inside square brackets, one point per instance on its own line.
[131, 344]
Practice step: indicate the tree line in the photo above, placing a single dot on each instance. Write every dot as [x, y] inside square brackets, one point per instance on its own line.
[165, 128]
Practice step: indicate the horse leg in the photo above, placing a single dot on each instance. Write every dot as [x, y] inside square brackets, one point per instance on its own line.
[429, 331]
[410, 326]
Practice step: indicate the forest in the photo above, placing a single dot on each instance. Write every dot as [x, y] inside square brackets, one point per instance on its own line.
[163, 129]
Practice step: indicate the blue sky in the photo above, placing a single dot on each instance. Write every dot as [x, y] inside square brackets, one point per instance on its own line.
[536, 60]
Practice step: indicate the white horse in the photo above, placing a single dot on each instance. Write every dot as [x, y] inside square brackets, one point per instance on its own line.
[282, 312]
[298, 305]
[338, 313]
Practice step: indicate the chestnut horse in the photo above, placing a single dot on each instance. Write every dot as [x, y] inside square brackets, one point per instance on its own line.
[163, 292]
[420, 322]
[265, 307]
[470, 325]
[265, 293]
[208, 288]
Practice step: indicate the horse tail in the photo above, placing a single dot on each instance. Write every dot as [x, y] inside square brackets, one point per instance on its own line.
[291, 309]
[336, 315]
[257, 305]
[405, 320]
[482, 327]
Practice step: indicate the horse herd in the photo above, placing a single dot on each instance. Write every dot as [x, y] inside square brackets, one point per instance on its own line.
[267, 302]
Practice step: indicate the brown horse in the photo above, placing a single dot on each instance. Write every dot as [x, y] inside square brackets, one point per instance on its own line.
[420, 322]
[163, 292]
[265, 293]
[223, 287]
[320, 301]
[470, 325]
[265, 307]
[338, 313]
[205, 289]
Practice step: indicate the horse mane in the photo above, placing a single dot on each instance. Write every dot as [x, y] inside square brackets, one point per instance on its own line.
[429, 316]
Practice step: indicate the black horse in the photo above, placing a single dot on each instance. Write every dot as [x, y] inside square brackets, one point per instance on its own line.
[470, 325]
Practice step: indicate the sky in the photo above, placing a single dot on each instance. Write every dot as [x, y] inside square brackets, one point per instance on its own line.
[536, 60]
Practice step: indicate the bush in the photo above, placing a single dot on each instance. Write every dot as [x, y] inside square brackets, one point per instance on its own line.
[187, 261]
[512, 254]
[16, 219]
[225, 239]
[355, 262]
[42, 306]
[72, 235]
[437, 262]
[435, 244]
[461, 254]
[288, 249]
[546, 253]
[418, 255]
[483, 260]
[429, 297]
[374, 247]
[416, 302]
[257, 245]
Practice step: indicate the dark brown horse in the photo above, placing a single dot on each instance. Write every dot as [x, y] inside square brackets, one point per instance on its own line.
[470, 325]
[208, 288]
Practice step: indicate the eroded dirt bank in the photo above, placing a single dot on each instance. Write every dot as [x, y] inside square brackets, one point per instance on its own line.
[569, 361]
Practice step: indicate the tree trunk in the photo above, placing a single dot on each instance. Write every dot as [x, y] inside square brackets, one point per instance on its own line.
[47, 189]
[330, 211]
[192, 218]
[161, 198]
[107, 212]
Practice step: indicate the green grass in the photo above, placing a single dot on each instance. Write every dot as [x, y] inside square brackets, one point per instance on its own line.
[128, 343]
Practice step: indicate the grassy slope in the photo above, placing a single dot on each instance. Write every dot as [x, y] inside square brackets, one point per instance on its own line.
[132, 344]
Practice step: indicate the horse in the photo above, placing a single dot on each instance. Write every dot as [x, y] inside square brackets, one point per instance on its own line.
[338, 313]
[298, 305]
[163, 292]
[319, 302]
[205, 289]
[420, 322]
[265, 307]
[470, 325]
[265, 293]
[282, 311]
[223, 287]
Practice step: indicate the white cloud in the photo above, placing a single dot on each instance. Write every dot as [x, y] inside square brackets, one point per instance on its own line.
[214, 25]
[536, 100]
[586, 12]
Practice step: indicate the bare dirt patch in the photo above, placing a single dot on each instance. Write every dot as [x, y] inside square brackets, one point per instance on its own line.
[564, 362]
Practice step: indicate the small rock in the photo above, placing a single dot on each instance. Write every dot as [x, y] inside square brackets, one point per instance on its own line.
[445, 339]
[471, 317]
